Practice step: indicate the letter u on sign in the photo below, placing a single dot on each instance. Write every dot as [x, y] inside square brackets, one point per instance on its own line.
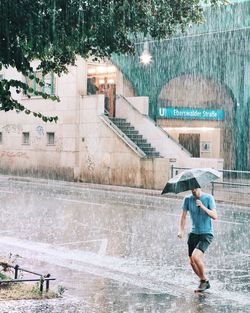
[161, 111]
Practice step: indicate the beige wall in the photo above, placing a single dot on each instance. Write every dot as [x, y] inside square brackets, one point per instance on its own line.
[107, 159]
[39, 158]
[154, 134]
[198, 92]
[123, 86]
[207, 134]
[85, 147]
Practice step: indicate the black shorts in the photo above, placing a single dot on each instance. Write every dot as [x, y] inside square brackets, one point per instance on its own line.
[200, 242]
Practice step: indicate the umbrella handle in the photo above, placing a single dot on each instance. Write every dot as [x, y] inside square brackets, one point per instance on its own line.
[196, 203]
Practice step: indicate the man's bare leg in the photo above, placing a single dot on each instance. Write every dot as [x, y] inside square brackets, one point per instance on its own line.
[198, 265]
[194, 267]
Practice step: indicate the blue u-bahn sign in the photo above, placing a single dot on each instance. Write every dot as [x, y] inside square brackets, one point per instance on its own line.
[191, 114]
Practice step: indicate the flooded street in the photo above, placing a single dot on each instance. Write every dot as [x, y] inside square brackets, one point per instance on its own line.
[116, 249]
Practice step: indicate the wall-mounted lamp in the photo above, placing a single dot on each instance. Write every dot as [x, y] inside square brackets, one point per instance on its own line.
[145, 57]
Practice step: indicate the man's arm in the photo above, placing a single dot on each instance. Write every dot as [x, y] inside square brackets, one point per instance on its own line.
[182, 223]
[212, 213]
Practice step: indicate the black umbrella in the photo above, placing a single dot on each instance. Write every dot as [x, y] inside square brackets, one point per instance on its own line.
[191, 179]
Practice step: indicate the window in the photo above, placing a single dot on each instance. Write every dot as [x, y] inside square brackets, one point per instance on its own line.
[1, 138]
[98, 75]
[44, 84]
[206, 146]
[26, 138]
[101, 79]
[50, 138]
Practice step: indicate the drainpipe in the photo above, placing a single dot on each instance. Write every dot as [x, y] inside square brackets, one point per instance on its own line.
[240, 151]
[81, 89]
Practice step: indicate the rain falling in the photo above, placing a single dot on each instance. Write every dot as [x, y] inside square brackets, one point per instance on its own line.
[101, 117]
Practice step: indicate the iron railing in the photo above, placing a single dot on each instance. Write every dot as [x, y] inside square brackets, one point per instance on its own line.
[43, 278]
[124, 137]
[235, 178]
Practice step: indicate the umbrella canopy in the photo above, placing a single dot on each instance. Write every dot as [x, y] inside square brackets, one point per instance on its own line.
[191, 179]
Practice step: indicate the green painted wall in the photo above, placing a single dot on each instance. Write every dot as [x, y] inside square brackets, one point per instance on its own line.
[218, 50]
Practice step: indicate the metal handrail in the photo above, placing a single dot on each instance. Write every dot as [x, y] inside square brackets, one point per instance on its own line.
[155, 124]
[124, 137]
[227, 183]
[130, 104]
[222, 171]
[215, 182]
[234, 171]
[43, 278]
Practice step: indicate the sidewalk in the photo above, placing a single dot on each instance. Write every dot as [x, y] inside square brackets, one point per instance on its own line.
[115, 248]
[237, 196]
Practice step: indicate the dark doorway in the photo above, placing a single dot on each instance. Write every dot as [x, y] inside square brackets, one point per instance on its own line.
[191, 142]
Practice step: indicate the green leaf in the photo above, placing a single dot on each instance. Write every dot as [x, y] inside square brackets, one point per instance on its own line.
[57, 32]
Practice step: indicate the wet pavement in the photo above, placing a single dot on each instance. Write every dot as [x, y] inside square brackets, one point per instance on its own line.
[115, 249]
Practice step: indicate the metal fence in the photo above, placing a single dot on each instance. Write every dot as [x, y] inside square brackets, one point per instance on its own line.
[43, 278]
[232, 181]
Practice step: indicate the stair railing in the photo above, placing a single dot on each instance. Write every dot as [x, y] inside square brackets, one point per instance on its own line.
[155, 124]
[120, 134]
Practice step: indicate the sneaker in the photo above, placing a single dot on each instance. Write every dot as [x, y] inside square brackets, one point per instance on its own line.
[204, 284]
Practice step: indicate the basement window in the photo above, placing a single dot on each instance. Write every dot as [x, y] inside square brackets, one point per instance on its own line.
[26, 138]
[50, 139]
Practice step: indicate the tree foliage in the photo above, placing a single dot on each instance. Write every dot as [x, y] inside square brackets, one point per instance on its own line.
[56, 31]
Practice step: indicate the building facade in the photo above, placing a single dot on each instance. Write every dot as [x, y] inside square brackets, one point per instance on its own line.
[198, 85]
[191, 103]
[86, 144]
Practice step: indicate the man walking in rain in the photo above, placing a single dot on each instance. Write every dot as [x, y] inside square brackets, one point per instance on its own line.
[202, 210]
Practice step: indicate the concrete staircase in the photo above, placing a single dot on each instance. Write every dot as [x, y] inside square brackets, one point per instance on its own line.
[135, 136]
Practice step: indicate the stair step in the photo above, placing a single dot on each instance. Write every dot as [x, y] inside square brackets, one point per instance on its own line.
[144, 145]
[140, 141]
[153, 155]
[123, 124]
[131, 132]
[126, 127]
[149, 150]
[118, 119]
[134, 135]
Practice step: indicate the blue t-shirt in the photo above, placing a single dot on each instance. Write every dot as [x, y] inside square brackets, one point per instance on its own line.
[201, 222]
